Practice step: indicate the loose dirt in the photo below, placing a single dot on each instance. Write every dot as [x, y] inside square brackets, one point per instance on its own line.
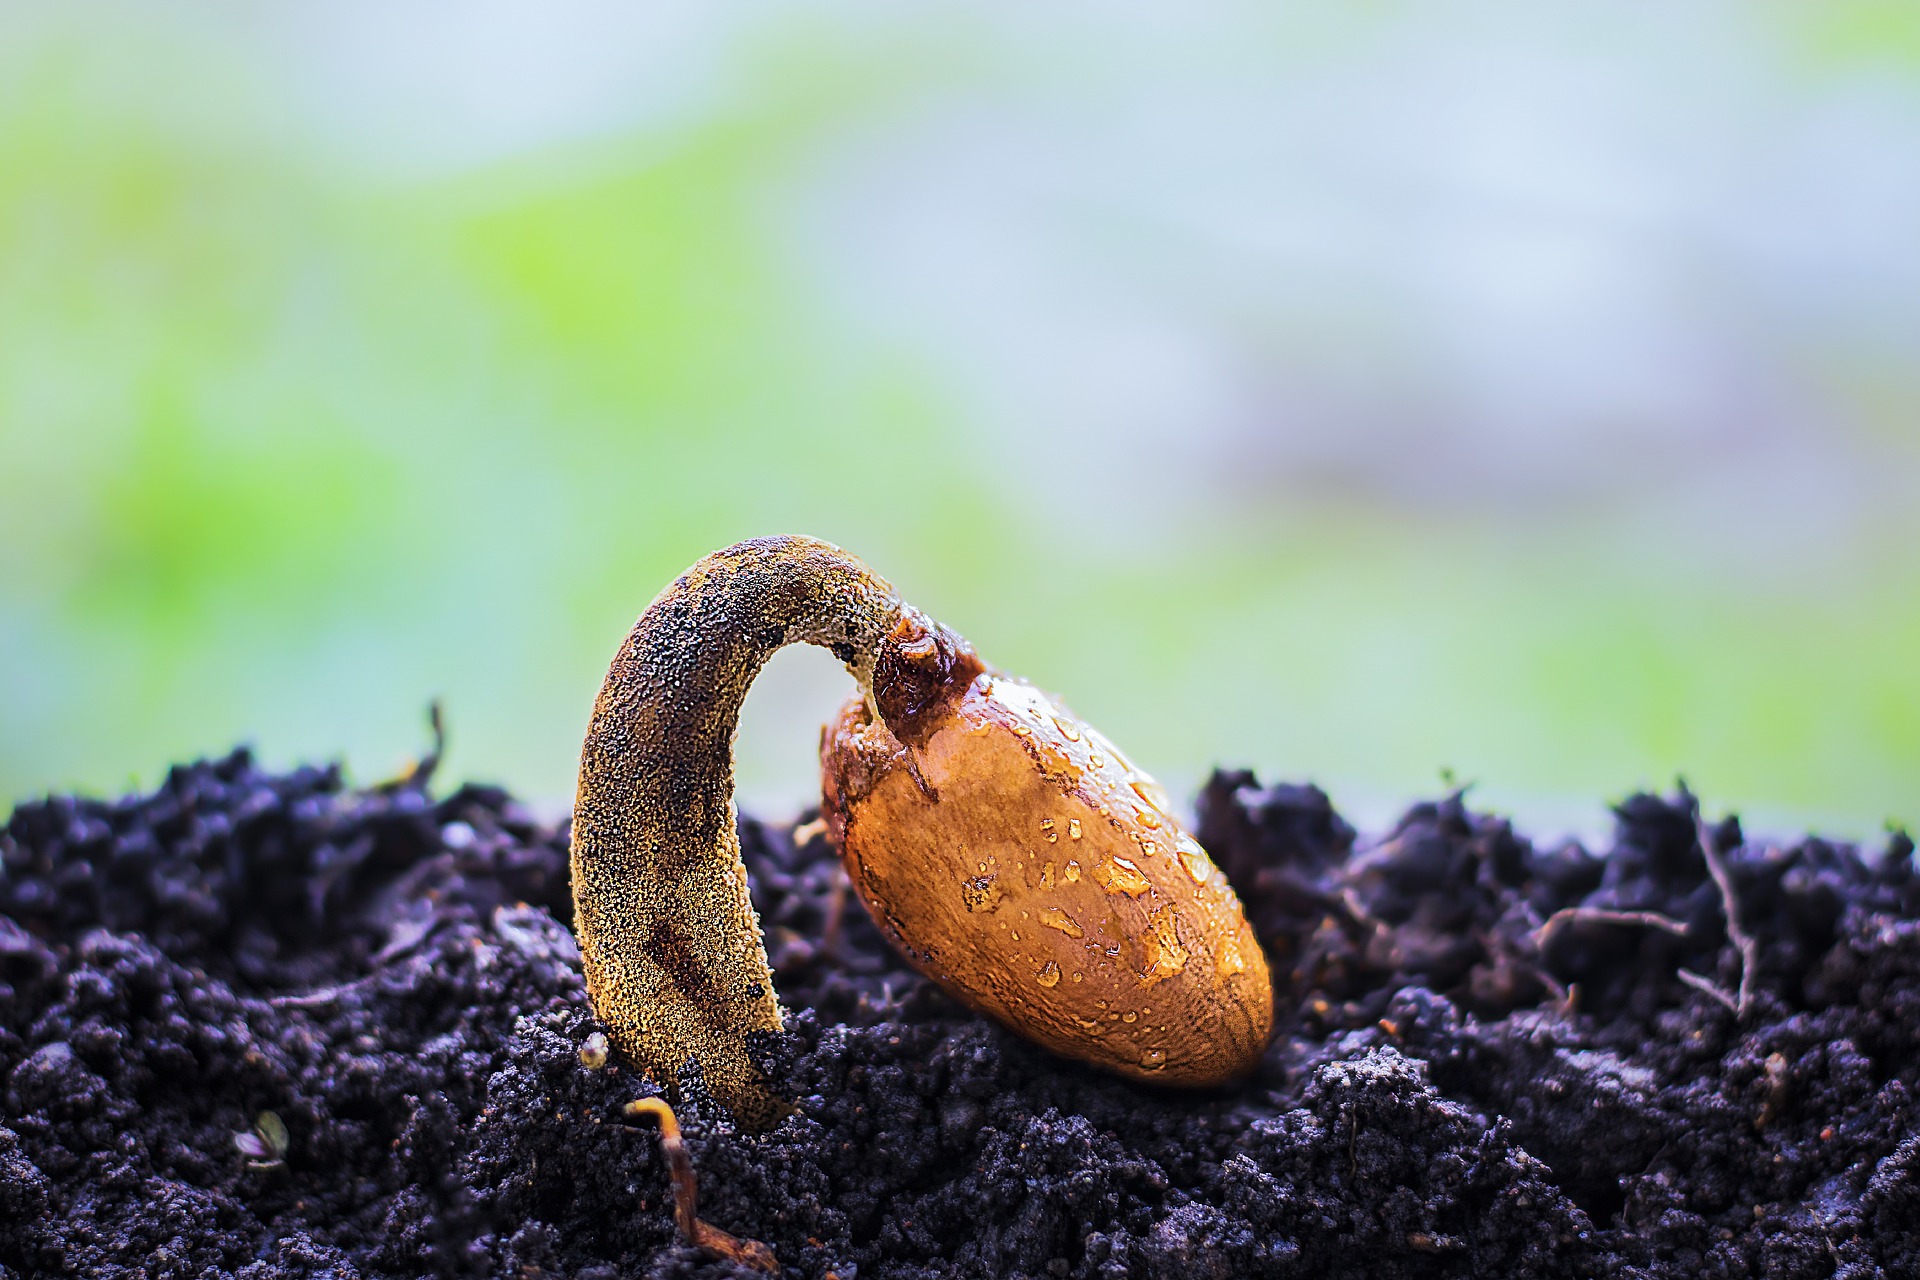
[1464, 1083]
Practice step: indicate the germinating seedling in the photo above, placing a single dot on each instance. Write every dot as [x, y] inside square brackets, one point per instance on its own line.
[1009, 851]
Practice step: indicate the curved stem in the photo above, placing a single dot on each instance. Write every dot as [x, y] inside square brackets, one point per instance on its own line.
[674, 961]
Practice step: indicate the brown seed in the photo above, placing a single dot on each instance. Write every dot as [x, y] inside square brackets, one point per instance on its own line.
[1139, 921]
[948, 790]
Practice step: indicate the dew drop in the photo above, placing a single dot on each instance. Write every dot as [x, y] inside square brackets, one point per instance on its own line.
[1068, 728]
[1149, 848]
[1049, 975]
[1195, 860]
[1046, 829]
[1097, 760]
[1046, 876]
[1055, 918]
[1154, 1059]
[1121, 876]
[1229, 961]
[1131, 1016]
[1165, 954]
[1073, 828]
[1149, 790]
[1073, 872]
[1079, 977]
[1147, 818]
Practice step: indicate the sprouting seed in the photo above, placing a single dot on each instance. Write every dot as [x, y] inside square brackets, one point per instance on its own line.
[265, 1144]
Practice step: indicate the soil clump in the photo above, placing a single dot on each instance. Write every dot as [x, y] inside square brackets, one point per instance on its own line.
[265, 1025]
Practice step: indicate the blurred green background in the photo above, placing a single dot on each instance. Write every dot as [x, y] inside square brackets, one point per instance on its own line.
[1357, 394]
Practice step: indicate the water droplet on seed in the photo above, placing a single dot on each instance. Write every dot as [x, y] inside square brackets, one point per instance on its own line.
[1046, 828]
[1154, 1059]
[1229, 961]
[1131, 1016]
[1165, 954]
[1073, 828]
[1055, 918]
[1049, 975]
[1150, 791]
[1195, 860]
[1121, 876]
[1073, 872]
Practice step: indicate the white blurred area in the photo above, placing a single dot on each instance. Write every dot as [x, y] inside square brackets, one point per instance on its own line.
[1657, 266]
[1636, 290]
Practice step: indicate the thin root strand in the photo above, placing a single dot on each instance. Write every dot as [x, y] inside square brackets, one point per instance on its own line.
[1743, 941]
[1603, 915]
[1701, 982]
[686, 1214]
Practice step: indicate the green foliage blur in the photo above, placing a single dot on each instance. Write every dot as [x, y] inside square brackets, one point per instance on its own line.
[299, 431]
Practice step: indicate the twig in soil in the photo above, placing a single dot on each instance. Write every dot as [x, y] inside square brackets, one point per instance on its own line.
[1745, 942]
[1428, 1242]
[701, 1235]
[417, 775]
[1603, 915]
[1701, 982]
[1777, 1082]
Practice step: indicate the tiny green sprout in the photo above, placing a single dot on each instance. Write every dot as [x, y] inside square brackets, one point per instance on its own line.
[266, 1144]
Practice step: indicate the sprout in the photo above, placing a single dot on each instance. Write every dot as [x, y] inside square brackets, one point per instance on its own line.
[1009, 851]
[266, 1144]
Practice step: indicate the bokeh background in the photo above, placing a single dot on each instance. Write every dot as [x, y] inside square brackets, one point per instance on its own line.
[1527, 395]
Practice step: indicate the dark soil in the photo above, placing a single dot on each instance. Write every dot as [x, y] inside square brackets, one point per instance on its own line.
[1450, 1093]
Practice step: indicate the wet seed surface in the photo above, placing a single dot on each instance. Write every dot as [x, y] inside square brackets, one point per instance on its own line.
[260, 1025]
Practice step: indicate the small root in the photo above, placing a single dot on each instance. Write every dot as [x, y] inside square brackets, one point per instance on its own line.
[1602, 915]
[1701, 982]
[1743, 941]
[701, 1235]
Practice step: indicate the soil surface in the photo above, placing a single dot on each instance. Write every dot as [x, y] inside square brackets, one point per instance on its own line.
[258, 1025]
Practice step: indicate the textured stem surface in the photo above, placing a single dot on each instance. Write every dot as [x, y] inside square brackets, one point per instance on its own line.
[675, 965]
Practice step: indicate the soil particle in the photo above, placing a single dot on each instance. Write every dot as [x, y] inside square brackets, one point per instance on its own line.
[1456, 1089]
